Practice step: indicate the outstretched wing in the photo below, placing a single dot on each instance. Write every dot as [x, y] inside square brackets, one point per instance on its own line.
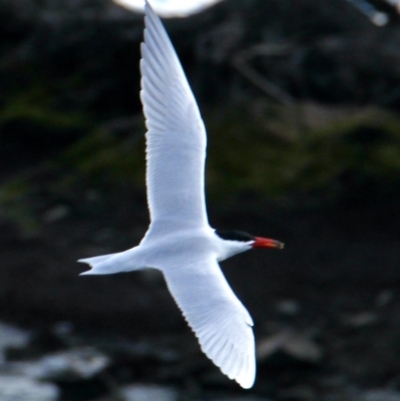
[176, 138]
[219, 320]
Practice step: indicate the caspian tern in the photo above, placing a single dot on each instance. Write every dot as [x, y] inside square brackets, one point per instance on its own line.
[169, 8]
[180, 242]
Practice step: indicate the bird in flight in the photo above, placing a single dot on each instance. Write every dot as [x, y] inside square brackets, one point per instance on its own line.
[180, 242]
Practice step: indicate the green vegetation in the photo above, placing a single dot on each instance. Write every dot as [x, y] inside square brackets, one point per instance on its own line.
[273, 154]
[269, 154]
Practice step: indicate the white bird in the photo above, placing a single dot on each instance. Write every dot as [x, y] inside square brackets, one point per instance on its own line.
[169, 8]
[180, 242]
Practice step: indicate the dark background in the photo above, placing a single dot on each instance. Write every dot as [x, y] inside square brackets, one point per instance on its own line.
[300, 99]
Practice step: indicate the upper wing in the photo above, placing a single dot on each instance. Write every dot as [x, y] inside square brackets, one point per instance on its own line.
[219, 320]
[176, 138]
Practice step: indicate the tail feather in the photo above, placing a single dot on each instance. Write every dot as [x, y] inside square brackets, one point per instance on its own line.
[129, 260]
[96, 259]
[97, 264]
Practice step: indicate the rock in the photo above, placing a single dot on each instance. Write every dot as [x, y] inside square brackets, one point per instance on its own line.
[382, 395]
[79, 363]
[12, 337]
[288, 307]
[138, 392]
[361, 319]
[296, 345]
[17, 388]
[56, 213]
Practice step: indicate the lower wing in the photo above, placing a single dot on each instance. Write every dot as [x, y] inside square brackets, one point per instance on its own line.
[219, 320]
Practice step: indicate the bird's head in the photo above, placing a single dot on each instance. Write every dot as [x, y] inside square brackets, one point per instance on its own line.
[239, 241]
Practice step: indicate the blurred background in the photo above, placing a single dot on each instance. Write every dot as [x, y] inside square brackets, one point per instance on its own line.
[300, 100]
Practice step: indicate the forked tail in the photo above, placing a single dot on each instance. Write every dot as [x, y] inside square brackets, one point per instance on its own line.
[113, 263]
[97, 264]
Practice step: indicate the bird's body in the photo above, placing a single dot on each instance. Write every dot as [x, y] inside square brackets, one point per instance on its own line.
[180, 242]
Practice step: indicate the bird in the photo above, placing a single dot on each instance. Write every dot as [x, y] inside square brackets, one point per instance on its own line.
[169, 8]
[179, 241]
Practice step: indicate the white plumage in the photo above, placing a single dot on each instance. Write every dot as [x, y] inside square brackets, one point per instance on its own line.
[180, 242]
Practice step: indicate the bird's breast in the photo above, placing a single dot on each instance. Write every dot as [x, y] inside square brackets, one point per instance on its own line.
[180, 247]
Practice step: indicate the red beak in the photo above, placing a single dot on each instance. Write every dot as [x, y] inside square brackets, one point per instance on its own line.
[260, 242]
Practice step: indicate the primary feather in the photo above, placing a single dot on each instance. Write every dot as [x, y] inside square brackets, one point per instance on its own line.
[179, 241]
[219, 320]
[176, 138]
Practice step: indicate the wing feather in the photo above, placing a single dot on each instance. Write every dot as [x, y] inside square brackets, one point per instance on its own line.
[219, 320]
[176, 138]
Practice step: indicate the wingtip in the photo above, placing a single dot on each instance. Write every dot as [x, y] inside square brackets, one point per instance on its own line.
[147, 7]
[149, 14]
[247, 375]
[246, 383]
